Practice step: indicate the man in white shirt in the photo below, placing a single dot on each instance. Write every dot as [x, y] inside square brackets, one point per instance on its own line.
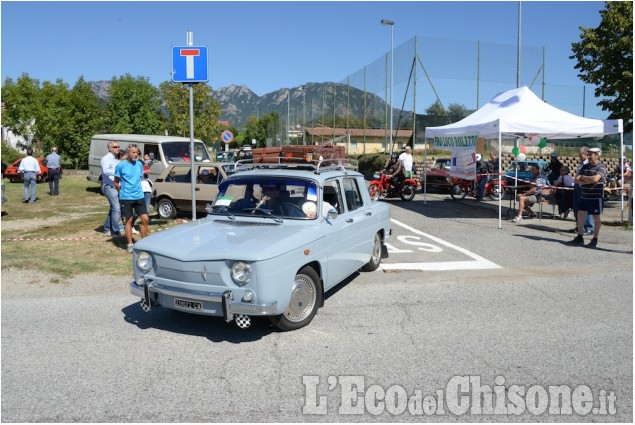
[30, 168]
[407, 161]
[108, 164]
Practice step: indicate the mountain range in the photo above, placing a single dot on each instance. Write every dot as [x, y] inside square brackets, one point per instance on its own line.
[313, 103]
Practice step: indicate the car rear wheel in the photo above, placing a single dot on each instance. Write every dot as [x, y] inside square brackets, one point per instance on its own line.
[375, 255]
[306, 297]
[166, 209]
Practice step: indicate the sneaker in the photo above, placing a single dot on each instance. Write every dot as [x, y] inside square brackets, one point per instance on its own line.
[579, 240]
[106, 233]
[117, 235]
[25, 201]
[135, 231]
[517, 219]
[588, 232]
[130, 247]
[593, 243]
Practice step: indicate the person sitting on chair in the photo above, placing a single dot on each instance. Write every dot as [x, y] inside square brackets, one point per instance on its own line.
[564, 197]
[531, 196]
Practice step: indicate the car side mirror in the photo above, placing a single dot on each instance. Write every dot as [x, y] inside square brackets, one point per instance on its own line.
[332, 214]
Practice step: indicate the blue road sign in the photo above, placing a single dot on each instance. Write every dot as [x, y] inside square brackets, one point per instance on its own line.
[189, 64]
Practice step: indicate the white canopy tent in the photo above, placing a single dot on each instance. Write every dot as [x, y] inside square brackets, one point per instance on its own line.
[519, 112]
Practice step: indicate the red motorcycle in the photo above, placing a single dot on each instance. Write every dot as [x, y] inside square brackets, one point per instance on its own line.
[462, 187]
[381, 187]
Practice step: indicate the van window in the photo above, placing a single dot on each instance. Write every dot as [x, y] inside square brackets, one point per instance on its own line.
[180, 152]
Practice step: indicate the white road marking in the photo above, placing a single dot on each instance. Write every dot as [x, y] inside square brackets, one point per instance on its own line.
[478, 263]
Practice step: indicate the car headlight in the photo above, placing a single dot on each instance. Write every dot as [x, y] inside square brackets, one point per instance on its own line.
[241, 273]
[144, 261]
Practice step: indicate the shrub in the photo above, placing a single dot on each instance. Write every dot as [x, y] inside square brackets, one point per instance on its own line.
[370, 163]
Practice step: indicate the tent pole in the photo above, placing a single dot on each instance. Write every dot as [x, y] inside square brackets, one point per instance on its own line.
[500, 179]
[622, 168]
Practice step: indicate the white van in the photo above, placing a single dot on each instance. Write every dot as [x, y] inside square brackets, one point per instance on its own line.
[156, 151]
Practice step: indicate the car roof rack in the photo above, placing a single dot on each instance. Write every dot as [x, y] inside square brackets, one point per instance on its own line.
[279, 163]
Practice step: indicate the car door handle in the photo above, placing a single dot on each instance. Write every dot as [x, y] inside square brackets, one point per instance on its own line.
[369, 213]
[349, 220]
[197, 189]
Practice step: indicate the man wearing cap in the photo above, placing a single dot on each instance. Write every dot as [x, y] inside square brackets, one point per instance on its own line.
[591, 179]
[554, 166]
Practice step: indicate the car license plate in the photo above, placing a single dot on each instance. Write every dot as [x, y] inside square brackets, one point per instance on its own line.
[192, 305]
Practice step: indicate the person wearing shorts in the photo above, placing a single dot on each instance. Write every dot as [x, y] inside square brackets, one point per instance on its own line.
[591, 178]
[531, 196]
[131, 198]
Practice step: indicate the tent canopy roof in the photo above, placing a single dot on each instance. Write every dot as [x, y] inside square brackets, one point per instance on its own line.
[520, 112]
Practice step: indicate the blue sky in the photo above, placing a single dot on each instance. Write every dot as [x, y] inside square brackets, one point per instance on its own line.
[268, 45]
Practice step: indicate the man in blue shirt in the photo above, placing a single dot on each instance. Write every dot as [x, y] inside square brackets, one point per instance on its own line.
[131, 198]
[54, 164]
[531, 196]
[108, 164]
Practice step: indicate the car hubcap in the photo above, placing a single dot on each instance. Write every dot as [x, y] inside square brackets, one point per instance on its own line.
[166, 210]
[302, 299]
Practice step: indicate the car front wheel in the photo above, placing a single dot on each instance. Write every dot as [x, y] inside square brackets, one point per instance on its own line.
[166, 209]
[306, 297]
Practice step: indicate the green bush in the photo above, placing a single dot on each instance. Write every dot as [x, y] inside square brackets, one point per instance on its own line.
[371, 163]
[9, 155]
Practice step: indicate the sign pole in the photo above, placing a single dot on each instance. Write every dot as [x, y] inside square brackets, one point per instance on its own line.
[190, 42]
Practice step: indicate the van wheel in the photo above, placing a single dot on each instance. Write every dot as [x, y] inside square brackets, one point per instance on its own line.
[166, 209]
[306, 298]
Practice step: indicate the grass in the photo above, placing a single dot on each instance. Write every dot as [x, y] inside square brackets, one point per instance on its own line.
[71, 225]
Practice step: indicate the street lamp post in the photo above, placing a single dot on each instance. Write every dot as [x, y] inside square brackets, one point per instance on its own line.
[288, 109]
[392, 25]
[303, 114]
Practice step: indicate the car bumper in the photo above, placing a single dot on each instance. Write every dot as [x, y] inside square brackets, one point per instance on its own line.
[212, 303]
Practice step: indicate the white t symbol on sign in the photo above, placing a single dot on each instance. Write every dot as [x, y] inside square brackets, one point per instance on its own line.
[189, 61]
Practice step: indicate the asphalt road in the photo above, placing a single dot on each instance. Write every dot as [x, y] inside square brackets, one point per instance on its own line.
[457, 301]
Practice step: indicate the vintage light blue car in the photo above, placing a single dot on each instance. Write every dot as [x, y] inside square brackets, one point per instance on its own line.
[277, 237]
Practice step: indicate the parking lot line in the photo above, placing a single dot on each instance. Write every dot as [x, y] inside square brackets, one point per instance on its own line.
[478, 263]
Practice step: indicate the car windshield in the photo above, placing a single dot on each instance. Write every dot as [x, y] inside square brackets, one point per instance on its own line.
[274, 197]
[441, 164]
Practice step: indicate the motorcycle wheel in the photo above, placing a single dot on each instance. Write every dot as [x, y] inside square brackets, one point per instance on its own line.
[408, 192]
[457, 192]
[494, 194]
[374, 192]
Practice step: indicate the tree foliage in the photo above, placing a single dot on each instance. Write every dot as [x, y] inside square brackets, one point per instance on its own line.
[133, 106]
[263, 128]
[207, 111]
[21, 100]
[605, 59]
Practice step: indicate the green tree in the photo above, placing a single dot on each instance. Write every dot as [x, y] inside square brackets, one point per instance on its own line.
[207, 111]
[86, 120]
[263, 128]
[53, 118]
[21, 102]
[133, 106]
[605, 59]
[457, 112]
